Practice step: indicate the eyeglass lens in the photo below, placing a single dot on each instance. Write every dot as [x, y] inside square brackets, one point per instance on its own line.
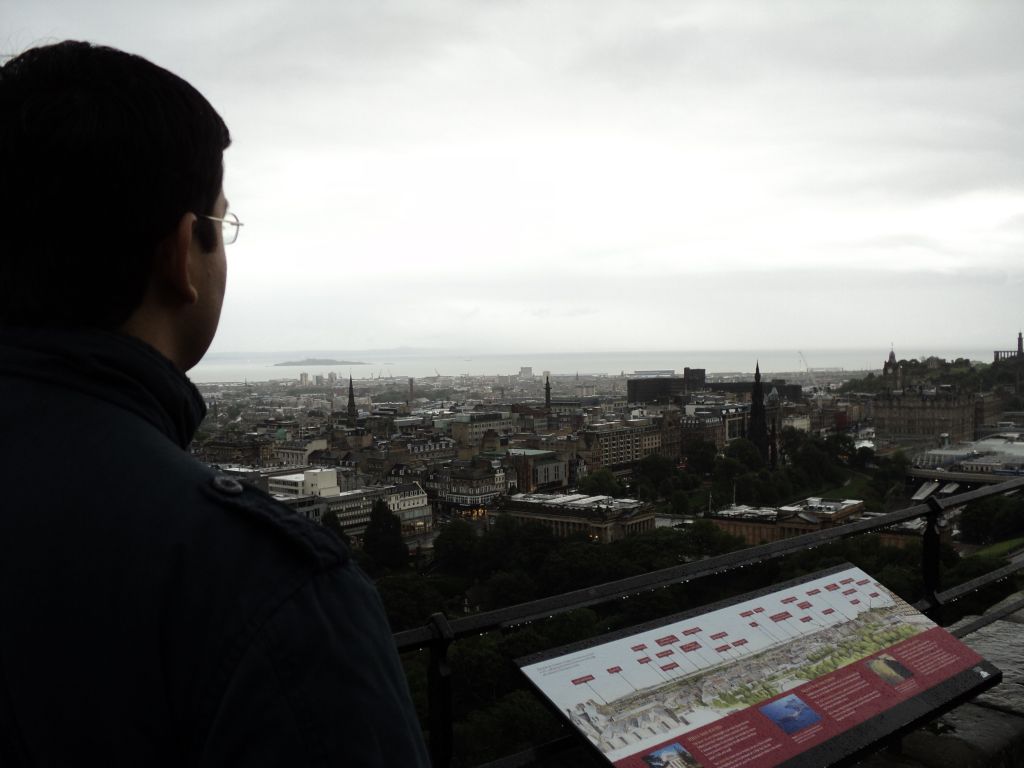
[230, 228]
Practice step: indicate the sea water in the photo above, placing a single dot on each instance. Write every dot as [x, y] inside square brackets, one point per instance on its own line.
[263, 366]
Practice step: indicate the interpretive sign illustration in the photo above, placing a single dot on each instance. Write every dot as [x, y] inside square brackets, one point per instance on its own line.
[764, 680]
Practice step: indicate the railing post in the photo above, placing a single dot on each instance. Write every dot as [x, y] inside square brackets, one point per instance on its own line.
[931, 559]
[439, 692]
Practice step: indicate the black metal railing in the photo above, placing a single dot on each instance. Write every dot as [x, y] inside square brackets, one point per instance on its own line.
[440, 632]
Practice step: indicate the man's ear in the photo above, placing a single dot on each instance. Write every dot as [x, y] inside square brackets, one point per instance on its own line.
[176, 257]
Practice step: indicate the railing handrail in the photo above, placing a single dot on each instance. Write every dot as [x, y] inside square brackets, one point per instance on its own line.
[502, 618]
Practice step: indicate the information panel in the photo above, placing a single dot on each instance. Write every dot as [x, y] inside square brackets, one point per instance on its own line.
[802, 675]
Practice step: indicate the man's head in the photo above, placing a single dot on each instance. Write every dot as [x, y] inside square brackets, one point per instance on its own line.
[106, 162]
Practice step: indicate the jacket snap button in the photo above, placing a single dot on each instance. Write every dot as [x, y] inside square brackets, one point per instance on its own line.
[227, 485]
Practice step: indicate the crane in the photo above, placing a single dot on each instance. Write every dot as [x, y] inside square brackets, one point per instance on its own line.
[818, 396]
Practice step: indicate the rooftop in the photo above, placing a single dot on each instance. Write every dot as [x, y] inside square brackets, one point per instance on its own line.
[746, 512]
[822, 507]
[811, 509]
[576, 501]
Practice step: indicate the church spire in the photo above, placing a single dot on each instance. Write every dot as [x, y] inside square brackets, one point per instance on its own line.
[351, 410]
[758, 430]
[547, 394]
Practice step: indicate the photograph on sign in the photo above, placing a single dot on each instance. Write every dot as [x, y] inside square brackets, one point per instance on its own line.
[768, 679]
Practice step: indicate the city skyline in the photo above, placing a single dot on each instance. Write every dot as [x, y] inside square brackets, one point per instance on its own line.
[599, 176]
[428, 363]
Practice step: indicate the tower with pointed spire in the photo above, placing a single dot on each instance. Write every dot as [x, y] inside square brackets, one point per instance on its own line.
[757, 432]
[890, 364]
[351, 411]
[892, 371]
[547, 395]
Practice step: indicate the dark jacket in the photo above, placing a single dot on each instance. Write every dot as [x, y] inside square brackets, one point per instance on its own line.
[155, 613]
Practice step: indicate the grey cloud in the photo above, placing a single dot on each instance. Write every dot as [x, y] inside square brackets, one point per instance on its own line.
[771, 309]
[838, 107]
[897, 176]
[759, 42]
[562, 311]
[647, 58]
[339, 43]
[900, 241]
[919, 40]
[1014, 224]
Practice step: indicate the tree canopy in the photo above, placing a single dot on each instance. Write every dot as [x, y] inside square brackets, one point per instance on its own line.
[602, 483]
[993, 519]
[382, 540]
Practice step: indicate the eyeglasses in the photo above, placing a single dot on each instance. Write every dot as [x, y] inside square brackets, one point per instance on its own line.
[229, 226]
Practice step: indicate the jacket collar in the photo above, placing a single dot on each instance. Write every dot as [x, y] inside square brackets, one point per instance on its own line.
[112, 366]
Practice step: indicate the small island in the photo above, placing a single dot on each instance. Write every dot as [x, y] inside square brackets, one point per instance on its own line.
[320, 361]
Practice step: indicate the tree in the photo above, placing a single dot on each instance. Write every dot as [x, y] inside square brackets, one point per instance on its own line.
[888, 482]
[502, 726]
[409, 599]
[455, 548]
[680, 502]
[724, 480]
[705, 539]
[657, 477]
[792, 440]
[578, 564]
[700, 457]
[654, 469]
[841, 447]
[382, 539]
[992, 519]
[745, 452]
[601, 483]
[863, 458]
[510, 545]
[509, 588]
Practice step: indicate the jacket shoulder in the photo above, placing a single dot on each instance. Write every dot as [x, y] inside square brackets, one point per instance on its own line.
[255, 507]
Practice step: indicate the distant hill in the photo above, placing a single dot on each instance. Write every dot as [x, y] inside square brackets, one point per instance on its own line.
[320, 361]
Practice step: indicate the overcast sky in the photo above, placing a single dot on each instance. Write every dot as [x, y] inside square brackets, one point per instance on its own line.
[586, 175]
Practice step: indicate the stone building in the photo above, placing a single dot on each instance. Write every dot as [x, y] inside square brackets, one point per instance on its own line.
[250, 450]
[467, 429]
[601, 518]
[761, 525]
[352, 508]
[708, 428]
[311, 482]
[296, 453]
[469, 487]
[908, 416]
[714, 422]
[538, 470]
[1013, 354]
[619, 445]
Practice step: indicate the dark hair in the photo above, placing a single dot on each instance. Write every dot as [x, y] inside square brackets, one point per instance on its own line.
[101, 154]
